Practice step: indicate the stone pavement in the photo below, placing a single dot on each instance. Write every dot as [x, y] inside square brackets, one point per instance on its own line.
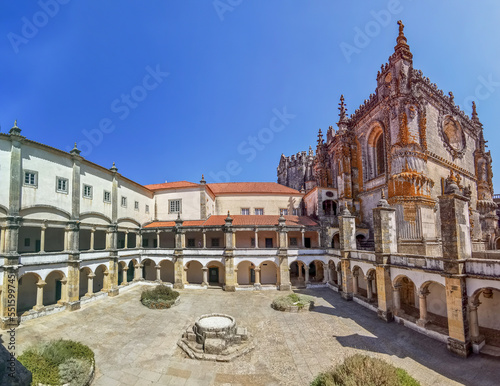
[138, 346]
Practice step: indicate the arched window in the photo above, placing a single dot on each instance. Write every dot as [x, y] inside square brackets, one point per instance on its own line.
[379, 154]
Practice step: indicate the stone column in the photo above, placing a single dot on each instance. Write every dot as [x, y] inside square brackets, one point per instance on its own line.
[124, 275]
[457, 248]
[303, 232]
[90, 284]
[474, 322]
[205, 277]
[299, 265]
[64, 291]
[369, 289]
[306, 271]
[257, 284]
[2, 240]
[396, 299]
[39, 295]
[326, 273]
[92, 238]
[422, 301]
[138, 272]
[347, 230]
[158, 273]
[138, 240]
[256, 238]
[179, 276]
[126, 240]
[355, 281]
[9, 303]
[284, 271]
[204, 239]
[157, 239]
[106, 286]
[384, 225]
[230, 277]
[73, 286]
[42, 238]
[112, 278]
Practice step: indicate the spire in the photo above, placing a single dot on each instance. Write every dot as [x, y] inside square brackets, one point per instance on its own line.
[343, 110]
[402, 49]
[15, 129]
[75, 151]
[320, 138]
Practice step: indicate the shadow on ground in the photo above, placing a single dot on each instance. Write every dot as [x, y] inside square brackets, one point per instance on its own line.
[12, 372]
[396, 340]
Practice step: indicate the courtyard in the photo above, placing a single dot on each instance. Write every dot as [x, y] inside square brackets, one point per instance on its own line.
[135, 345]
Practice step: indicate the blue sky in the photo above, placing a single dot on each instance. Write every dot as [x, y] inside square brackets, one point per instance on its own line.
[172, 89]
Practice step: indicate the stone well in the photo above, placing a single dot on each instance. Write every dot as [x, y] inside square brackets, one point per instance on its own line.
[215, 337]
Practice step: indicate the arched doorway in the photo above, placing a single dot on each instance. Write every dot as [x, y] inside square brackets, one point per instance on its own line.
[194, 274]
[27, 289]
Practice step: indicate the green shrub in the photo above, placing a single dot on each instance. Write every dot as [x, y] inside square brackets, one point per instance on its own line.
[75, 371]
[283, 303]
[362, 370]
[46, 359]
[159, 297]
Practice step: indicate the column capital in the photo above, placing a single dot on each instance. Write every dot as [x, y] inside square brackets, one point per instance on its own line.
[423, 292]
[40, 283]
[91, 275]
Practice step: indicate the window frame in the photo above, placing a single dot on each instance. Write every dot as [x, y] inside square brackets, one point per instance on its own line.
[146, 209]
[259, 209]
[123, 201]
[172, 201]
[136, 205]
[91, 195]
[283, 211]
[104, 196]
[35, 178]
[66, 181]
[245, 209]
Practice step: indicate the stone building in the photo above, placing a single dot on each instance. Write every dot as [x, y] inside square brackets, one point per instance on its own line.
[394, 211]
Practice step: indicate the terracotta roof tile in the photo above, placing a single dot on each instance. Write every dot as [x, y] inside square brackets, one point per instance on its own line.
[160, 224]
[239, 220]
[251, 187]
[172, 185]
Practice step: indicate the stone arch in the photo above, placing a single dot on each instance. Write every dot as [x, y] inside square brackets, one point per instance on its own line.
[167, 271]
[131, 270]
[329, 207]
[268, 272]
[101, 278]
[316, 271]
[27, 289]
[148, 270]
[215, 272]
[333, 272]
[407, 293]
[246, 273]
[44, 212]
[486, 302]
[336, 241]
[435, 297]
[84, 275]
[497, 243]
[194, 273]
[376, 150]
[360, 282]
[53, 291]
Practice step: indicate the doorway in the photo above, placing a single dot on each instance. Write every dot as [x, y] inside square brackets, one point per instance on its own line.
[213, 275]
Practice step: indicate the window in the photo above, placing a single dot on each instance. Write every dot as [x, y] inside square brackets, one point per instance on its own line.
[259, 211]
[145, 243]
[174, 206]
[62, 185]
[245, 211]
[87, 191]
[107, 196]
[147, 208]
[26, 242]
[30, 178]
[215, 242]
[295, 211]
[124, 202]
[379, 151]
[136, 205]
[191, 243]
[293, 241]
[283, 212]
[252, 242]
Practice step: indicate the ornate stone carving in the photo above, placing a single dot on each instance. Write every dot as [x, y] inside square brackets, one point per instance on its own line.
[453, 137]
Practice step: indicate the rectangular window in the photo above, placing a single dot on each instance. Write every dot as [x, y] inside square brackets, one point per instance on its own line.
[147, 208]
[107, 196]
[30, 178]
[283, 212]
[62, 185]
[87, 191]
[259, 211]
[174, 206]
[124, 202]
[191, 243]
[136, 205]
[215, 242]
[245, 211]
[293, 241]
[295, 211]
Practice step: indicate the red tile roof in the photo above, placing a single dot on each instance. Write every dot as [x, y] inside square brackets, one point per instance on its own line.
[240, 220]
[251, 188]
[172, 185]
